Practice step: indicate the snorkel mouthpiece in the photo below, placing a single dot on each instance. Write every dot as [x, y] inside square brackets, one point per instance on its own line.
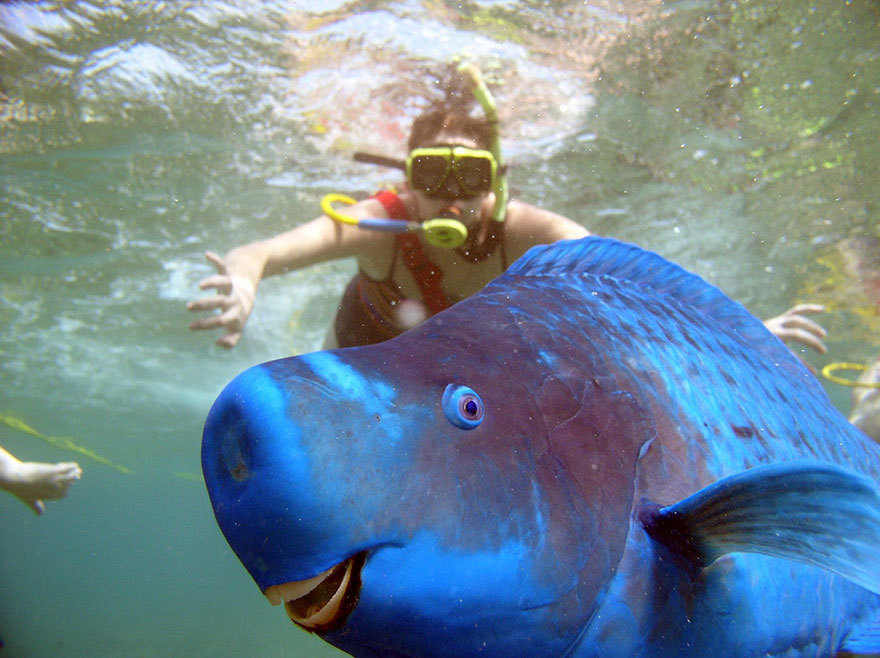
[446, 230]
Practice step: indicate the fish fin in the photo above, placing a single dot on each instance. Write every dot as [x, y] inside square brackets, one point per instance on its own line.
[863, 640]
[606, 257]
[807, 511]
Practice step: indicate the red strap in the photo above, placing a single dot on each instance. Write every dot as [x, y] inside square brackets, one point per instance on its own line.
[392, 204]
[428, 277]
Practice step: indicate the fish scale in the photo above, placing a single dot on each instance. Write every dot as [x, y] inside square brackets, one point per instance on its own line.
[772, 409]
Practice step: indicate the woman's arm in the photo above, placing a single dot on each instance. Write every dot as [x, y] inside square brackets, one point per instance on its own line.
[241, 270]
[528, 225]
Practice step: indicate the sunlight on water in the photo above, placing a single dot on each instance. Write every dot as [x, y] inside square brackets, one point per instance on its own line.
[135, 136]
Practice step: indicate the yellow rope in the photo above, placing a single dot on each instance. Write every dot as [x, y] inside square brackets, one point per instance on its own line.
[63, 442]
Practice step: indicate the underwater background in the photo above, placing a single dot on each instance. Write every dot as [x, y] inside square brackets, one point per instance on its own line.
[739, 139]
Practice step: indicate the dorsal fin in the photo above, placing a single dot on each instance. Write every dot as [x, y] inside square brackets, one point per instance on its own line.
[601, 257]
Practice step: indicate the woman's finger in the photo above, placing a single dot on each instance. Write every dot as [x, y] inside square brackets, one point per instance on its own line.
[221, 282]
[800, 322]
[229, 340]
[805, 338]
[216, 261]
[209, 322]
[805, 308]
[210, 303]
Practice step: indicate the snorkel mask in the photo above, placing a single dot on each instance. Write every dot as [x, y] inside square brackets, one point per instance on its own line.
[442, 171]
[451, 172]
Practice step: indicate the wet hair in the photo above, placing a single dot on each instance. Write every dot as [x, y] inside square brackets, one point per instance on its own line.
[453, 113]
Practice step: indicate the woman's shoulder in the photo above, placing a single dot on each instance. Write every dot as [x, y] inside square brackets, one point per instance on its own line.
[534, 225]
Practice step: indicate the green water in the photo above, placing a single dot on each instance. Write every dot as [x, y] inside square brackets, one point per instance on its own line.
[739, 139]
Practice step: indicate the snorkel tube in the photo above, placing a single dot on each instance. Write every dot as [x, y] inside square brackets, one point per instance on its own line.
[439, 231]
[487, 102]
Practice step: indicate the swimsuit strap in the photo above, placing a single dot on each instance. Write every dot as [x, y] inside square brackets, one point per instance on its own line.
[428, 276]
[392, 204]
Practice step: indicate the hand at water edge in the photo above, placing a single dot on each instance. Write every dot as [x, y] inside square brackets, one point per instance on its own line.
[235, 302]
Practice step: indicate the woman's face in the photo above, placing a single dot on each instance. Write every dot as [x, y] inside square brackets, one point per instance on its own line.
[431, 206]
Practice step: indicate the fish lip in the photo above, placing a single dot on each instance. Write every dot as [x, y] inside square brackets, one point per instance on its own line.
[322, 603]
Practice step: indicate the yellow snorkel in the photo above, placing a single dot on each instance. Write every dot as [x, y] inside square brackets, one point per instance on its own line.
[487, 102]
[829, 370]
[439, 231]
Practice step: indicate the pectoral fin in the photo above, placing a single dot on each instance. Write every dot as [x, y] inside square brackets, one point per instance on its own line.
[864, 640]
[811, 512]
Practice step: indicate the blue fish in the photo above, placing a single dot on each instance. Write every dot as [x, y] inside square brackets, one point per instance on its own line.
[599, 454]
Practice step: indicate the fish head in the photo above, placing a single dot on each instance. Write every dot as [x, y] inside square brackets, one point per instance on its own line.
[406, 497]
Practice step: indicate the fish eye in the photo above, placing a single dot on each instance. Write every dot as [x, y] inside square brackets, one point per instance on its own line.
[462, 406]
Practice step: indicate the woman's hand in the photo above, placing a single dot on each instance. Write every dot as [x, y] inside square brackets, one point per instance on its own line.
[792, 325]
[235, 300]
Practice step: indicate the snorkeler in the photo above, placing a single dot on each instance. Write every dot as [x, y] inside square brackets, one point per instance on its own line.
[442, 236]
[452, 177]
[34, 482]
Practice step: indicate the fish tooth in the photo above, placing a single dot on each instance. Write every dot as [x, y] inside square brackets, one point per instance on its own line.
[273, 595]
[328, 612]
[294, 589]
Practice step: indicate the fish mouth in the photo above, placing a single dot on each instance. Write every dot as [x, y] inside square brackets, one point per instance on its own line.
[324, 602]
